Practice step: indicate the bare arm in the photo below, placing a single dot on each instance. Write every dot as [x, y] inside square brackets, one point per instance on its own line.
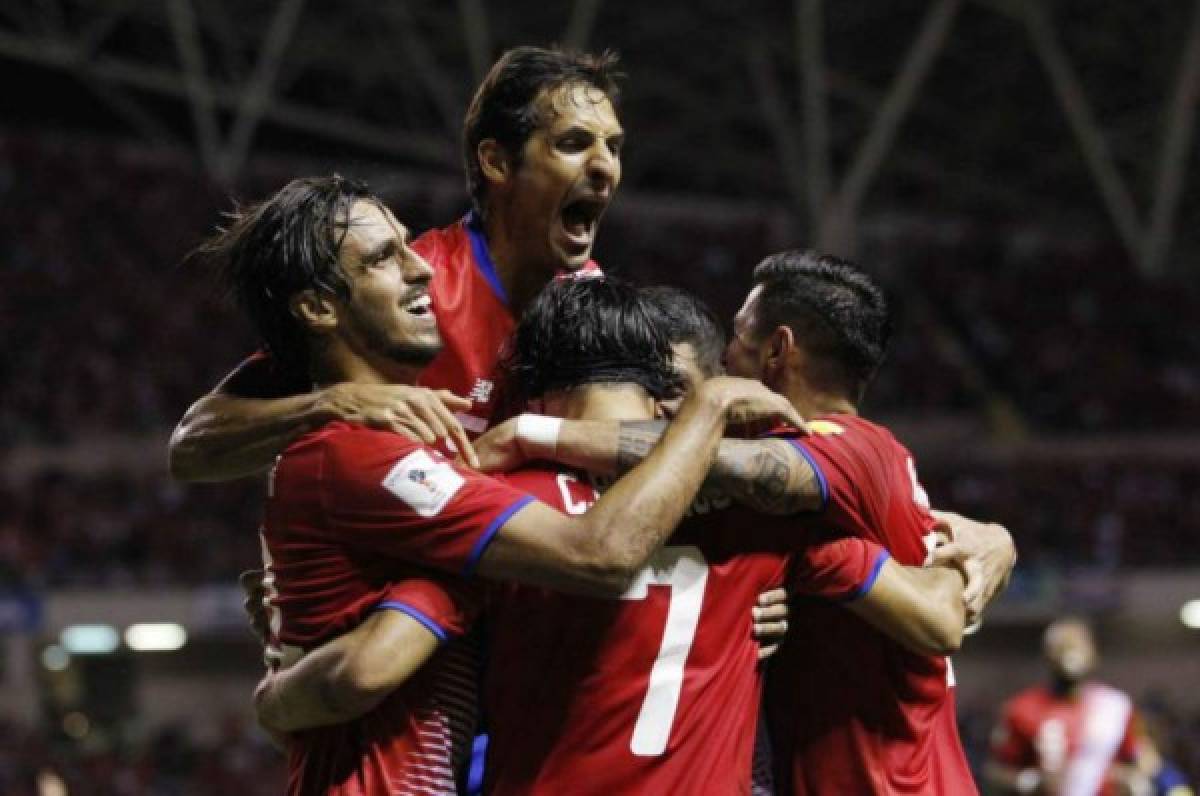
[919, 607]
[248, 419]
[347, 676]
[767, 475]
[605, 547]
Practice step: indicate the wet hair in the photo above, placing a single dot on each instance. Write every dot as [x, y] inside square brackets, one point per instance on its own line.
[581, 331]
[836, 312]
[272, 250]
[687, 319]
[505, 106]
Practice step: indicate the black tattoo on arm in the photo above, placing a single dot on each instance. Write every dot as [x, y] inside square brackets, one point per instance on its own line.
[766, 475]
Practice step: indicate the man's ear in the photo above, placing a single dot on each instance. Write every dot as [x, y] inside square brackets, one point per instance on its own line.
[494, 161]
[780, 349]
[315, 311]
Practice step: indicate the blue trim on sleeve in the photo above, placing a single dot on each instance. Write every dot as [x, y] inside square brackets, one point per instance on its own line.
[483, 257]
[492, 530]
[822, 481]
[404, 608]
[865, 587]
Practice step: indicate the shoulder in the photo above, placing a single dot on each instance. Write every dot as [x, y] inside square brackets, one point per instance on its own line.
[439, 242]
[345, 448]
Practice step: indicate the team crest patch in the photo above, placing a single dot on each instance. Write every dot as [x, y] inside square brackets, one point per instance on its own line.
[825, 427]
[424, 483]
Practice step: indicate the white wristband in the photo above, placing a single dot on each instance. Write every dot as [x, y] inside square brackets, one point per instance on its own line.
[538, 435]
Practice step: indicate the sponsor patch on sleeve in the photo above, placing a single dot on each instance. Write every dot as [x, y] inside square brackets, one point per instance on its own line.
[423, 482]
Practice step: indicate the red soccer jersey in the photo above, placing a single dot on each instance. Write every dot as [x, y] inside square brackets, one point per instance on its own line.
[655, 692]
[1079, 739]
[358, 519]
[849, 710]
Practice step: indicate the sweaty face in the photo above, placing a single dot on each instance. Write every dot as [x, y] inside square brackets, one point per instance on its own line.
[570, 168]
[389, 314]
[743, 354]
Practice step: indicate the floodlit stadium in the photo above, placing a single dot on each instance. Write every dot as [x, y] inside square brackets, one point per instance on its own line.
[1017, 176]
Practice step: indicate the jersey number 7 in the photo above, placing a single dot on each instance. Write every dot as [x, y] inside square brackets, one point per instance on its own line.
[685, 571]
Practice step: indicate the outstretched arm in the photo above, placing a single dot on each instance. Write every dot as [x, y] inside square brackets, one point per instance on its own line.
[604, 548]
[919, 607]
[253, 414]
[767, 475]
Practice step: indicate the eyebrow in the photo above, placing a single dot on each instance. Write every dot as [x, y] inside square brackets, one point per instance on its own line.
[380, 250]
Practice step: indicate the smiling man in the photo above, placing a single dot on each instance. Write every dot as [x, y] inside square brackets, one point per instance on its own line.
[541, 147]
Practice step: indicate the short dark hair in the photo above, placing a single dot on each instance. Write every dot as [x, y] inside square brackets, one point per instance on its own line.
[278, 247]
[835, 311]
[505, 104]
[687, 319]
[597, 330]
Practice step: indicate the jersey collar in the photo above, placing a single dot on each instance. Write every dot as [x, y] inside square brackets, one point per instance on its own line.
[483, 258]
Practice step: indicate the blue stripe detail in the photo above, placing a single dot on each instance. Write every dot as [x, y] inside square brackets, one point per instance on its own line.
[492, 530]
[404, 608]
[865, 588]
[478, 757]
[821, 480]
[483, 257]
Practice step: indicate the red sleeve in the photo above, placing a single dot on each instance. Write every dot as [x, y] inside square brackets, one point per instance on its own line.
[446, 607]
[390, 495]
[1010, 746]
[839, 569]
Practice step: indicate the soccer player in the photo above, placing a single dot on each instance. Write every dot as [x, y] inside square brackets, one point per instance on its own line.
[655, 692]
[542, 152]
[1073, 736]
[854, 706]
[359, 520]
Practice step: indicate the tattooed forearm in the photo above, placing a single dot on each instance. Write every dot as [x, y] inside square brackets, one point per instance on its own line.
[765, 475]
[635, 441]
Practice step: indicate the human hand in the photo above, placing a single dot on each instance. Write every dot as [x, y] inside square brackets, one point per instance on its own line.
[770, 617]
[255, 604]
[749, 405]
[427, 415]
[499, 449]
[985, 554]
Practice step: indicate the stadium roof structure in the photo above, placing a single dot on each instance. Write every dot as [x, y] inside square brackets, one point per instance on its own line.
[1075, 113]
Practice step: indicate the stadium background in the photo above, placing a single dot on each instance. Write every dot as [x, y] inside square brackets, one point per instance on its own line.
[1019, 174]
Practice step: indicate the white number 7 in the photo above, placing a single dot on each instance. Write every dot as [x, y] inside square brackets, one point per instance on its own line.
[685, 570]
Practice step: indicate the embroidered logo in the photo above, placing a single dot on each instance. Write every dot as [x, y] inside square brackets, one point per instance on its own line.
[481, 393]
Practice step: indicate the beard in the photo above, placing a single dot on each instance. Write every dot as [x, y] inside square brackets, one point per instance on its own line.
[379, 342]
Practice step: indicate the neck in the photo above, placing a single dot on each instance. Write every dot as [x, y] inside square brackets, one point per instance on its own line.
[810, 401]
[521, 277]
[600, 402]
[339, 366]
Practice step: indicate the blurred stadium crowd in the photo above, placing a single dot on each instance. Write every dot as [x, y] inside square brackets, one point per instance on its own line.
[107, 335]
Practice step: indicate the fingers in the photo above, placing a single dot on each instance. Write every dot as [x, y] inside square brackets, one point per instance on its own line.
[773, 596]
[767, 651]
[769, 613]
[950, 553]
[455, 403]
[770, 632]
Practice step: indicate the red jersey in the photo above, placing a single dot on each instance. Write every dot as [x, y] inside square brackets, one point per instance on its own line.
[654, 692]
[358, 519]
[1080, 738]
[850, 710]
